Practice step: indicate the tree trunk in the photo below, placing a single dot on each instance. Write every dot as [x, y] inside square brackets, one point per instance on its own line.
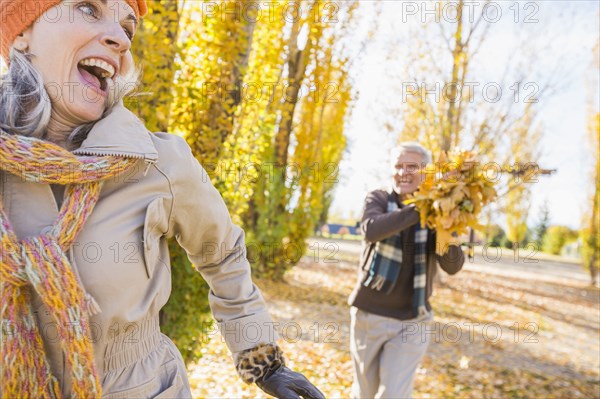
[450, 126]
[296, 63]
[595, 280]
[594, 244]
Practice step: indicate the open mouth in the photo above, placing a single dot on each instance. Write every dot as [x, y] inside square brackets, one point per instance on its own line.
[96, 72]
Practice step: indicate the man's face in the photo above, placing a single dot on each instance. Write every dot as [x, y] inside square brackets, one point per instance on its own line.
[407, 178]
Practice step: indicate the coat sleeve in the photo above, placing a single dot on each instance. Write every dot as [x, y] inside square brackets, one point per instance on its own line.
[201, 223]
[377, 224]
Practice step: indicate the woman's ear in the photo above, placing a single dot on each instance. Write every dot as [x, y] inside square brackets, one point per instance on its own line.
[21, 42]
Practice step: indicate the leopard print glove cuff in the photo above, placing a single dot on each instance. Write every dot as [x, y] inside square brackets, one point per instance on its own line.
[252, 364]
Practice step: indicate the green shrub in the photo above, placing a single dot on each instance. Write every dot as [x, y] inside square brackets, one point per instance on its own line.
[496, 236]
[589, 250]
[557, 237]
[186, 317]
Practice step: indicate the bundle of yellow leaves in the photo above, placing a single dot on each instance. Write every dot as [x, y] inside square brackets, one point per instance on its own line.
[452, 195]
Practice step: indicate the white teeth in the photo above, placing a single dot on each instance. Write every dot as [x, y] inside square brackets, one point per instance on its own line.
[109, 70]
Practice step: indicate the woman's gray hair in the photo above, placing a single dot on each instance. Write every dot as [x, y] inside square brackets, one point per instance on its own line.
[414, 147]
[25, 106]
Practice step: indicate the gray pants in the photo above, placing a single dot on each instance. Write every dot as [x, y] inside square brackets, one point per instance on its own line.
[385, 353]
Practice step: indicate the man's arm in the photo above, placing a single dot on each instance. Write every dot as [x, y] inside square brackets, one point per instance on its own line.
[377, 224]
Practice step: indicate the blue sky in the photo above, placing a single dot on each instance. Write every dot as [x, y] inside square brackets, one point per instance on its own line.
[565, 33]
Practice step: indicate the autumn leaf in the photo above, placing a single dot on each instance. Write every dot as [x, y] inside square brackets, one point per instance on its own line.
[451, 202]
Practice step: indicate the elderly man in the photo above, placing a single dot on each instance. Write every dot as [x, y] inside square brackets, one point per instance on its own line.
[389, 305]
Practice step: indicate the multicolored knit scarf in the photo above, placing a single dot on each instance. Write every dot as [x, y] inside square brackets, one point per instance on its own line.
[387, 262]
[40, 264]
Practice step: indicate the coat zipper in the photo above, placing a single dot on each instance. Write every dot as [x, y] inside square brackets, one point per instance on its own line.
[149, 161]
[101, 154]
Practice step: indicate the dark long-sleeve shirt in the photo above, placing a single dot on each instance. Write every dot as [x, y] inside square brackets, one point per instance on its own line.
[377, 224]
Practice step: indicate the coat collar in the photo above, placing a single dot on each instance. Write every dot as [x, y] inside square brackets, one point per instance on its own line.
[394, 196]
[119, 133]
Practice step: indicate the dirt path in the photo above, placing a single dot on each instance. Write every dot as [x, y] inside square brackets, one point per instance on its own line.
[526, 263]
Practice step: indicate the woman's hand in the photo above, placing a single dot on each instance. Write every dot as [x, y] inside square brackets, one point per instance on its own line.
[265, 365]
[285, 383]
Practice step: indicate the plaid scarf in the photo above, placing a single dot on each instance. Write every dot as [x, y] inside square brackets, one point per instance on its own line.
[387, 262]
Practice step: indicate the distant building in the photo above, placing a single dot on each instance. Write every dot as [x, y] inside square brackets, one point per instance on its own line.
[341, 229]
[572, 249]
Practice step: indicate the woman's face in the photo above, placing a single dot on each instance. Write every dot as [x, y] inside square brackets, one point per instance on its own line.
[79, 48]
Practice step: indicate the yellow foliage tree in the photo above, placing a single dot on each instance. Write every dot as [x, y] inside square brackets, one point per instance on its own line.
[320, 140]
[590, 233]
[215, 45]
[287, 203]
[524, 141]
[155, 49]
[244, 153]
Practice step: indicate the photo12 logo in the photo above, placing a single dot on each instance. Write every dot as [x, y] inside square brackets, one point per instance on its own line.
[271, 11]
[469, 11]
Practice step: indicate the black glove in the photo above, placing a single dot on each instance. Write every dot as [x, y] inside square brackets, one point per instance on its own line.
[284, 383]
[265, 365]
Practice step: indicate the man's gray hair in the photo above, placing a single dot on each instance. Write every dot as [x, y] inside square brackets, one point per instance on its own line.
[414, 147]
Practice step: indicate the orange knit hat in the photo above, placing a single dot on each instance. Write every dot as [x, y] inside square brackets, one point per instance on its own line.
[18, 15]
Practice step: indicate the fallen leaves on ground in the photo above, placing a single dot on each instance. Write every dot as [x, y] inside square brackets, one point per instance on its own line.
[494, 336]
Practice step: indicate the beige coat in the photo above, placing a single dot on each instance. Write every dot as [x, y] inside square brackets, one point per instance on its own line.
[122, 258]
